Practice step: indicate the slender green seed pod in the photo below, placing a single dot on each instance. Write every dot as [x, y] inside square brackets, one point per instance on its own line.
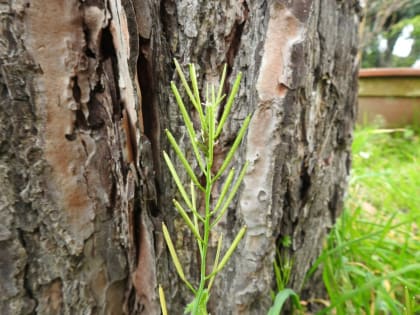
[187, 220]
[185, 84]
[162, 301]
[228, 105]
[229, 252]
[216, 261]
[182, 158]
[172, 251]
[234, 147]
[210, 146]
[198, 107]
[177, 180]
[189, 125]
[221, 84]
[225, 188]
[231, 194]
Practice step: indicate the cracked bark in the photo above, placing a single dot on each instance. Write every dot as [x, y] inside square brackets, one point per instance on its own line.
[84, 101]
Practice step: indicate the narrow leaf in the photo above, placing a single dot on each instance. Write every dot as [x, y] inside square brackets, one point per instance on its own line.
[231, 194]
[281, 298]
[323, 257]
[228, 104]
[279, 278]
[235, 146]
[187, 220]
[182, 158]
[177, 180]
[408, 308]
[368, 285]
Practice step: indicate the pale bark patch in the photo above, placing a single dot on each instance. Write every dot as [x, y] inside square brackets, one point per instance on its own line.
[56, 43]
[284, 30]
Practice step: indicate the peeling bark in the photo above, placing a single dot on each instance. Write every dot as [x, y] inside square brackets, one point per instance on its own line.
[299, 66]
[70, 143]
[84, 99]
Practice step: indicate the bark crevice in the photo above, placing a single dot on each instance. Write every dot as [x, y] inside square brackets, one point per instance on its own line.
[81, 135]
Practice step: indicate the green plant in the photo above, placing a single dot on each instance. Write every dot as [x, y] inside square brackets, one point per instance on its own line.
[203, 142]
[282, 270]
[281, 298]
[371, 260]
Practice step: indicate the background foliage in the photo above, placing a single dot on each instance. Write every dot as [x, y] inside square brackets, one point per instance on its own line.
[384, 21]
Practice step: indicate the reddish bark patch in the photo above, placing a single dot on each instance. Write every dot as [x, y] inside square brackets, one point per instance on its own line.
[57, 44]
[283, 31]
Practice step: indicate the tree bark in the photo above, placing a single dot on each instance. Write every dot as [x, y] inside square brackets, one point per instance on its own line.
[84, 101]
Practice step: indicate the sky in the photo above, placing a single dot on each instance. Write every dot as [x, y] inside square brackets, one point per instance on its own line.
[403, 45]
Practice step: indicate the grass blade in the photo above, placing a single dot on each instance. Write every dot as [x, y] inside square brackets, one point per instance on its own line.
[281, 298]
[408, 303]
[368, 285]
[278, 276]
[343, 245]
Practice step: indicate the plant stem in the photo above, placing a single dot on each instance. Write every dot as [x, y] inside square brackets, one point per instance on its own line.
[204, 153]
[207, 227]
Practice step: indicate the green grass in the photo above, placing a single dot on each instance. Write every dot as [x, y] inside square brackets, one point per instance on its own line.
[372, 256]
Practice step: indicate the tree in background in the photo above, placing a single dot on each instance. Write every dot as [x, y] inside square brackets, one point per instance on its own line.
[384, 22]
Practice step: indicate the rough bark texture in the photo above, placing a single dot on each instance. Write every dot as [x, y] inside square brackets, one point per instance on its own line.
[84, 101]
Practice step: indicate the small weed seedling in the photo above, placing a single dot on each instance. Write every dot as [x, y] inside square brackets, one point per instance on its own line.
[282, 270]
[201, 222]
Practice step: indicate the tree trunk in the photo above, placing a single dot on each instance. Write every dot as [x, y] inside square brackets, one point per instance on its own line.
[84, 101]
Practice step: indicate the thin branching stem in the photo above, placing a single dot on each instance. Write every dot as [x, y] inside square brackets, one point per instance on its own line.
[201, 224]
